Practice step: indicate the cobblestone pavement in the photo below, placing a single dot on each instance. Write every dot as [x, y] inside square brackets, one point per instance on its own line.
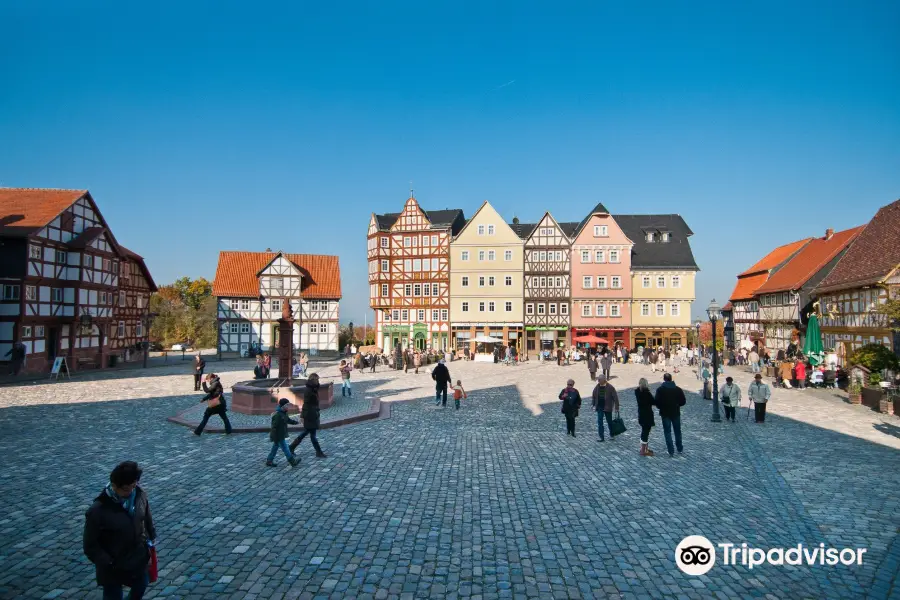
[490, 501]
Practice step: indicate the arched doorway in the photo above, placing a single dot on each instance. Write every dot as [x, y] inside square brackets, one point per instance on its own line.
[640, 340]
[674, 339]
[419, 340]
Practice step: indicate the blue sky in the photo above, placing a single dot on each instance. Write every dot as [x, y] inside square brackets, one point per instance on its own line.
[229, 125]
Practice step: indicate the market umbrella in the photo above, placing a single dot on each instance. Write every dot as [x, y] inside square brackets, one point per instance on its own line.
[812, 347]
[591, 339]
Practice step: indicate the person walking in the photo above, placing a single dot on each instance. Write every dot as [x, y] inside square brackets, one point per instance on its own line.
[604, 400]
[278, 434]
[669, 399]
[731, 398]
[17, 353]
[372, 360]
[591, 362]
[571, 402]
[215, 403]
[759, 394]
[458, 393]
[786, 371]
[647, 353]
[441, 377]
[118, 534]
[661, 360]
[345, 369]
[310, 415]
[645, 415]
[199, 366]
[606, 364]
[417, 361]
[800, 370]
[267, 364]
[753, 358]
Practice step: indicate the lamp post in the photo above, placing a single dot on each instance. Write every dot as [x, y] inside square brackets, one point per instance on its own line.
[697, 324]
[714, 313]
[146, 320]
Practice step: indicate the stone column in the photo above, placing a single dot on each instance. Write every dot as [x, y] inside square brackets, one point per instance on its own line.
[285, 340]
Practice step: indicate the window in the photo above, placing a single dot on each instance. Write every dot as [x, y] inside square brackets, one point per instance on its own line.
[87, 260]
[445, 314]
[61, 257]
[407, 242]
[661, 281]
[245, 327]
[785, 298]
[664, 237]
[34, 251]
[552, 309]
[425, 240]
[417, 264]
[107, 264]
[676, 281]
[481, 307]
[596, 231]
[601, 310]
[507, 255]
[481, 230]
[276, 305]
[660, 310]
[541, 308]
[613, 256]
[465, 281]
[26, 331]
[481, 282]
[585, 256]
[434, 240]
[139, 329]
[585, 310]
[614, 310]
[384, 242]
[245, 304]
[30, 292]
[385, 266]
[601, 282]
[481, 255]
[492, 255]
[559, 282]
[102, 297]
[435, 314]
[120, 330]
[645, 310]
[529, 309]
[384, 289]
[38, 331]
[57, 295]
[586, 283]
[616, 282]
[407, 289]
[491, 281]
[421, 315]
[404, 314]
[601, 230]
[314, 328]
[115, 266]
[490, 230]
[10, 292]
[417, 289]
[491, 307]
[541, 256]
[464, 255]
[508, 307]
[599, 256]
[674, 309]
[509, 280]
[649, 236]
[563, 309]
[396, 315]
[465, 307]
[233, 303]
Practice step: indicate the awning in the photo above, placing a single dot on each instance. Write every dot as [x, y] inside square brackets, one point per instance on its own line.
[591, 339]
[486, 339]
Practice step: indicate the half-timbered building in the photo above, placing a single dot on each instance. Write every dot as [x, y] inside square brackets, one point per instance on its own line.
[252, 287]
[128, 329]
[409, 275]
[865, 277]
[60, 270]
[547, 287]
[785, 299]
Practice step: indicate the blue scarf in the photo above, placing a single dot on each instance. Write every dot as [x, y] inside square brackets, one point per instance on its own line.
[126, 503]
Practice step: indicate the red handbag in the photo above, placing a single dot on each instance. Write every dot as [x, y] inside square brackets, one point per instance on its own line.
[153, 568]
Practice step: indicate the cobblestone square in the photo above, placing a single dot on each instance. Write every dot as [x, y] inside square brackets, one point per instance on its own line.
[491, 501]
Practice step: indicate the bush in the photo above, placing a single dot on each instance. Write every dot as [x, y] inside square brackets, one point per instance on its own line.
[875, 358]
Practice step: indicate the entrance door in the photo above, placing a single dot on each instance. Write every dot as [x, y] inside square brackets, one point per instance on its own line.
[52, 342]
[419, 340]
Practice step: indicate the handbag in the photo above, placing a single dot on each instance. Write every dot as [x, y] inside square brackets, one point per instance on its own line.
[153, 567]
[617, 426]
[214, 402]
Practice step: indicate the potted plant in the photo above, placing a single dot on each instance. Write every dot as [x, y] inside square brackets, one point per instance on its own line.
[871, 393]
[886, 404]
[855, 390]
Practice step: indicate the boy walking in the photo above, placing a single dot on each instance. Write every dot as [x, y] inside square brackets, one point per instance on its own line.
[345, 369]
[278, 434]
[458, 393]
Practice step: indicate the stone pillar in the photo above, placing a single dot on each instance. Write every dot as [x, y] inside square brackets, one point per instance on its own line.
[285, 341]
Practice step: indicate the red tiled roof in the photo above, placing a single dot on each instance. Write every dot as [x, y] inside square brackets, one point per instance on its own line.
[776, 257]
[236, 274]
[872, 256]
[728, 306]
[747, 285]
[809, 261]
[25, 210]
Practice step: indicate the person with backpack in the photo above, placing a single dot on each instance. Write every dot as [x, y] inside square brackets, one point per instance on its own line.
[604, 400]
[571, 402]
[669, 399]
[731, 398]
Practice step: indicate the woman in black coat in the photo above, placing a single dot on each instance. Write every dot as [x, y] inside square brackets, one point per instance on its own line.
[118, 531]
[215, 394]
[645, 415]
[571, 402]
[310, 415]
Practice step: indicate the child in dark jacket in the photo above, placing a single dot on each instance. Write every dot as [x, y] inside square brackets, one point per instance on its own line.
[278, 434]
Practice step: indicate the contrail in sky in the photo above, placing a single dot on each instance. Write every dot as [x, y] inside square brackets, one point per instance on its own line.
[510, 82]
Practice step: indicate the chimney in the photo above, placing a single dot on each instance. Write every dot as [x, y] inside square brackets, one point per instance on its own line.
[829, 233]
[268, 249]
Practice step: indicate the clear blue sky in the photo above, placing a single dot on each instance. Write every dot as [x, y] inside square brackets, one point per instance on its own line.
[201, 126]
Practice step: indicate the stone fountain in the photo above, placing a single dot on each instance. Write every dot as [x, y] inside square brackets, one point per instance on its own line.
[260, 396]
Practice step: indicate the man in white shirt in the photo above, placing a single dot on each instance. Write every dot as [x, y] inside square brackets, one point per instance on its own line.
[759, 394]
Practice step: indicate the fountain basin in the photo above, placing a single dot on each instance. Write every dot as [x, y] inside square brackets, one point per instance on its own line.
[261, 396]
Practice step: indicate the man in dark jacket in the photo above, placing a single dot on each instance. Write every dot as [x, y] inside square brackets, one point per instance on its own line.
[605, 400]
[571, 402]
[18, 356]
[278, 434]
[441, 376]
[199, 366]
[118, 530]
[669, 400]
[310, 415]
[215, 394]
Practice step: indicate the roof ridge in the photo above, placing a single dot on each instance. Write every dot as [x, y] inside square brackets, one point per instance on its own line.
[40, 189]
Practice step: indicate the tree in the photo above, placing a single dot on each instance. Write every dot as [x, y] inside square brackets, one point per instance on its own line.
[193, 293]
[875, 357]
[185, 311]
[891, 308]
[706, 334]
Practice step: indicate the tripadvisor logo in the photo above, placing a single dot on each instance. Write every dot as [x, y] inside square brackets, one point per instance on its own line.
[696, 555]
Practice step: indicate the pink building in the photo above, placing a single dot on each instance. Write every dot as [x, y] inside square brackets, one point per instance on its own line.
[601, 279]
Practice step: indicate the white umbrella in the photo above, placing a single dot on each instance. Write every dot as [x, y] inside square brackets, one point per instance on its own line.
[486, 339]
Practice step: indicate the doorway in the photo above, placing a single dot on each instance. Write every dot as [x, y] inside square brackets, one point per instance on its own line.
[419, 340]
[52, 342]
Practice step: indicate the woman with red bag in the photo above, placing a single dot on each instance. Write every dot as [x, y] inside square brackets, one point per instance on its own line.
[215, 403]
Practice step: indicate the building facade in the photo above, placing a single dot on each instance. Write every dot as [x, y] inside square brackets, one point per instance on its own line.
[601, 279]
[60, 269]
[486, 281]
[663, 274]
[252, 287]
[547, 286]
[409, 276]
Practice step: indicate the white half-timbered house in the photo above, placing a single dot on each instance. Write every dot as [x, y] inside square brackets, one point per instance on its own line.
[252, 287]
[60, 276]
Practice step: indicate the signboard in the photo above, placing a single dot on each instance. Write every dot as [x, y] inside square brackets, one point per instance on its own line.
[59, 367]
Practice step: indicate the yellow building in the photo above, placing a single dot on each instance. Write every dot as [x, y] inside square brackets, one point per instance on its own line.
[662, 285]
[486, 282]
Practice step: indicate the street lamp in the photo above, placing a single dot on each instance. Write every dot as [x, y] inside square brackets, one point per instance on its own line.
[697, 324]
[714, 313]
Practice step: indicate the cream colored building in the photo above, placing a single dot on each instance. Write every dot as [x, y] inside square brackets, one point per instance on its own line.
[486, 281]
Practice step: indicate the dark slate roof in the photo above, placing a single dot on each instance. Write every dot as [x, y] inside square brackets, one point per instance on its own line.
[569, 229]
[597, 209]
[451, 217]
[523, 230]
[674, 254]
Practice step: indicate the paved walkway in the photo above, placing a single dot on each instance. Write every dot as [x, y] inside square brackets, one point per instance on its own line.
[491, 501]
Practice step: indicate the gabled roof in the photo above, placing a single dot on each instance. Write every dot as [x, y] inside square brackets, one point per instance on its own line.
[674, 254]
[26, 210]
[872, 256]
[236, 274]
[599, 209]
[569, 229]
[140, 262]
[523, 230]
[813, 257]
[83, 239]
[747, 285]
[776, 257]
[452, 218]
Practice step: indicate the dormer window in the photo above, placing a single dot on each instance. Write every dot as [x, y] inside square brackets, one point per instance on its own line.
[650, 236]
[664, 236]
